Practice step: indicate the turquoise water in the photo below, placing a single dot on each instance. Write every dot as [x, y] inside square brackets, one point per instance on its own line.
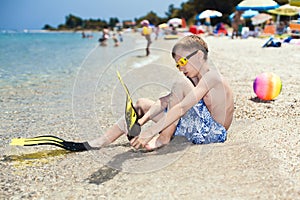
[29, 54]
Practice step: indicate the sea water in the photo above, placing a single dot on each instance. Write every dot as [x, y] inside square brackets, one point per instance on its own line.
[23, 55]
[38, 54]
[49, 80]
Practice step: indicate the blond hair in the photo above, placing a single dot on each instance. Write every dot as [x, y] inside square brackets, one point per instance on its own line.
[191, 42]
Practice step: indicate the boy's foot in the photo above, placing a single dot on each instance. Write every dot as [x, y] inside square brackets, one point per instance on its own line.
[157, 141]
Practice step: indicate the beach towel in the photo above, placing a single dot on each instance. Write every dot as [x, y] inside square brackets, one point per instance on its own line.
[271, 42]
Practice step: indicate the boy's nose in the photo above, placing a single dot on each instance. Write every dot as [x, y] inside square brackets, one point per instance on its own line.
[181, 68]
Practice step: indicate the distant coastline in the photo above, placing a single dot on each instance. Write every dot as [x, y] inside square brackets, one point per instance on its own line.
[47, 31]
[74, 24]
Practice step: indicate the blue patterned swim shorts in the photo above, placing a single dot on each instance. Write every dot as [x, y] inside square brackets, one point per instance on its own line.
[198, 126]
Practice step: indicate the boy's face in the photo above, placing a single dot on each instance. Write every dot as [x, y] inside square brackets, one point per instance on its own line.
[189, 62]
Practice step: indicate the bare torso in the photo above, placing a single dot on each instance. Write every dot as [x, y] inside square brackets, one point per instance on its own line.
[219, 102]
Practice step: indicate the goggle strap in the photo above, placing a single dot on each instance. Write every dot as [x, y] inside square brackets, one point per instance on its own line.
[189, 56]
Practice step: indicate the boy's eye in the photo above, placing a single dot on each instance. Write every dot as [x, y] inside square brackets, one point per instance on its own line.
[183, 61]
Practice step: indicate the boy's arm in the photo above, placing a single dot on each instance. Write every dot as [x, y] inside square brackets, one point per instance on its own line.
[155, 109]
[206, 83]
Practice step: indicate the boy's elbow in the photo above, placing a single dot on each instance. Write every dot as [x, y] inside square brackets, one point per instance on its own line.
[182, 110]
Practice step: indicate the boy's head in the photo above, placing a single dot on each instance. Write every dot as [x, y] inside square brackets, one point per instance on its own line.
[190, 43]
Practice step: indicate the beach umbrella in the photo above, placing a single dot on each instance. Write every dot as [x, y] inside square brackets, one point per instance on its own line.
[209, 14]
[294, 2]
[175, 22]
[260, 18]
[247, 14]
[286, 10]
[258, 5]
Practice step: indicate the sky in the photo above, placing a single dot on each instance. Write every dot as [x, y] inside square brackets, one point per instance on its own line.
[34, 14]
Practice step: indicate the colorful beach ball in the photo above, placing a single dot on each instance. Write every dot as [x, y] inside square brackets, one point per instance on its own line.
[267, 86]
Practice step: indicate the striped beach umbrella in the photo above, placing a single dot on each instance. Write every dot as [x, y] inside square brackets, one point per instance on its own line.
[286, 10]
[258, 5]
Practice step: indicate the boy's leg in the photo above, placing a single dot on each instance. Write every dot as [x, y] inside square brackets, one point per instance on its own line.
[161, 139]
[178, 93]
[119, 128]
[108, 137]
[142, 106]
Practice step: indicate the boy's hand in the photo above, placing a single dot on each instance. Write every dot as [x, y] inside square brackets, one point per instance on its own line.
[140, 141]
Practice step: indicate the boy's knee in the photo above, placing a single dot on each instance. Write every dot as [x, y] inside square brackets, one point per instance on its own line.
[178, 88]
[140, 102]
[141, 106]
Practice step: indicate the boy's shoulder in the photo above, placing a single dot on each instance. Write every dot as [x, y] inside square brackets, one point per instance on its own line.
[212, 74]
[212, 79]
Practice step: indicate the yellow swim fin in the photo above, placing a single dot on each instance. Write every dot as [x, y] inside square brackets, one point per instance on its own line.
[51, 140]
[47, 139]
[17, 141]
[131, 115]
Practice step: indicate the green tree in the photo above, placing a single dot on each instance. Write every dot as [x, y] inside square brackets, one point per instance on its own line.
[48, 27]
[73, 21]
[153, 18]
[173, 12]
[62, 27]
[113, 21]
[170, 11]
[94, 24]
[282, 2]
[187, 12]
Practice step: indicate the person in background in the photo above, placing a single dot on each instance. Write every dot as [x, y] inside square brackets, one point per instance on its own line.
[280, 29]
[146, 32]
[207, 24]
[115, 39]
[105, 36]
[157, 30]
[270, 22]
[83, 34]
[237, 24]
[120, 36]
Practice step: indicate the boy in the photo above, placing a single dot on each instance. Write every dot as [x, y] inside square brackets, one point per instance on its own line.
[199, 107]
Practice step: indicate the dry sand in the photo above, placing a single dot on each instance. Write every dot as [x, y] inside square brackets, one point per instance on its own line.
[259, 160]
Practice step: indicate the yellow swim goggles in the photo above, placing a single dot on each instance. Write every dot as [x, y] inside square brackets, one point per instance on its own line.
[184, 60]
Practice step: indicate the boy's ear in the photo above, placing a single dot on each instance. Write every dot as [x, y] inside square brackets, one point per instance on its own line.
[201, 54]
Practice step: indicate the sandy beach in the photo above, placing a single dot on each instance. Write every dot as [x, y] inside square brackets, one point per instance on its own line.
[259, 160]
